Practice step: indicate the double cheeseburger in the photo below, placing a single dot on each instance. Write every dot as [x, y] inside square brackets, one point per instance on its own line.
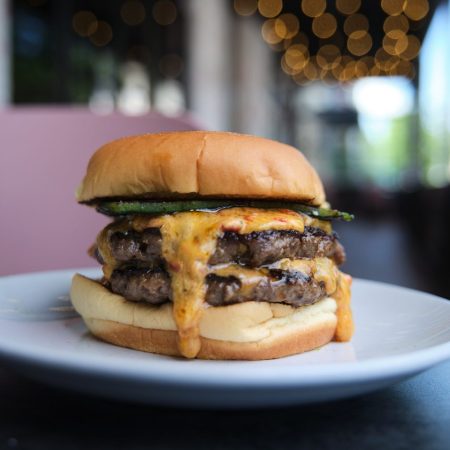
[221, 247]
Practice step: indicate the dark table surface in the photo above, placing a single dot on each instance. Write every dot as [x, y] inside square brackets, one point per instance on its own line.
[414, 414]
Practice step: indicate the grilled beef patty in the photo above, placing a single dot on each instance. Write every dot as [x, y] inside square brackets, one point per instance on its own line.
[252, 250]
[153, 286]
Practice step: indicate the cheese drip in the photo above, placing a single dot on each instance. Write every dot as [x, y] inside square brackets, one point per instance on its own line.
[188, 241]
[345, 326]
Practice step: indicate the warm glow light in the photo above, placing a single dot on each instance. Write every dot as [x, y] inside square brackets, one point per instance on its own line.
[412, 49]
[356, 23]
[324, 26]
[133, 12]
[84, 23]
[392, 7]
[286, 26]
[404, 68]
[361, 45]
[348, 6]
[245, 7]
[382, 58]
[270, 8]
[310, 70]
[301, 79]
[400, 44]
[296, 57]
[313, 8]
[416, 9]
[164, 12]
[103, 34]
[396, 26]
[362, 68]
[328, 57]
[299, 38]
[394, 46]
[349, 71]
[268, 32]
[285, 67]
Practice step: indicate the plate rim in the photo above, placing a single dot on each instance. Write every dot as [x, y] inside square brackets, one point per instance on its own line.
[254, 376]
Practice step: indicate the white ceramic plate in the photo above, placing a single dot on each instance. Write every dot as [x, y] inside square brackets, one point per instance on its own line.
[399, 333]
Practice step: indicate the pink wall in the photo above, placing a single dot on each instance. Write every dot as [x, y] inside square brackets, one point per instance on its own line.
[43, 155]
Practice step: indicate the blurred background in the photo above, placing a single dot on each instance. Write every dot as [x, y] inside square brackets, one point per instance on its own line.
[361, 87]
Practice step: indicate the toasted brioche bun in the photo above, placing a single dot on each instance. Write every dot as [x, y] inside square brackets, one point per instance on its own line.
[247, 331]
[201, 163]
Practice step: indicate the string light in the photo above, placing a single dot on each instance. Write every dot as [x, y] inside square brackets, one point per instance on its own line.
[361, 45]
[287, 26]
[396, 26]
[245, 7]
[313, 8]
[324, 26]
[296, 57]
[282, 33]
[328, 57]
[310, 71]
[164, 12]
[268, 32]
[270, 8]
[102, 35]
[412, 49]
[392, 7]
[348, 6]
[133, 12]
[416, 9]
[84, 23]
[356, 26]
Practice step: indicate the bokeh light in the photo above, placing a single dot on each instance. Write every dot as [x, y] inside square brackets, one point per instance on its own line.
[412, 49]
[268, 32]
[164, 12]
[324, 26]
[296, 57]
[396, 26]
[313, 8]
[84, 23]
[102, 35]
[360, 45]
[328, 57]
[270, 8]
[133, 12]
[245, 7]
[287, 26]
[392, 7]
[416, 9]
[356, 25]
[348, 6]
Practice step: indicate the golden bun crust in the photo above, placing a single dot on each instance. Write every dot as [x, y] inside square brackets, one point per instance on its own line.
[247, 331]
[204, 163]
[164, 342]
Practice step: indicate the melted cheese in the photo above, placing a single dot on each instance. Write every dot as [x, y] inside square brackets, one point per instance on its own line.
[321, 269]
[188, 241]
[345, 326]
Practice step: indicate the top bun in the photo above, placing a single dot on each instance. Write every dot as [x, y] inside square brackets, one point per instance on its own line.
[211, 164]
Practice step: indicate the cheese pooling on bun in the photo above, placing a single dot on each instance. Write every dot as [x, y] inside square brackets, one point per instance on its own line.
[221, 247]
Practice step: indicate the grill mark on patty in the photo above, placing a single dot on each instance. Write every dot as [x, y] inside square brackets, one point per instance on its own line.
[253, 249]
[279, 286]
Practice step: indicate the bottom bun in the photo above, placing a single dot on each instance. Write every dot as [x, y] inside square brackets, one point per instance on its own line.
[246, 331]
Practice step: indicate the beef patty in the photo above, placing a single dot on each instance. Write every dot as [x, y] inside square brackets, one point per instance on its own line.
[253, 249]
[279, 286]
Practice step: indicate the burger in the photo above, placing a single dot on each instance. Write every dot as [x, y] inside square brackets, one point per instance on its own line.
[221, 247]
